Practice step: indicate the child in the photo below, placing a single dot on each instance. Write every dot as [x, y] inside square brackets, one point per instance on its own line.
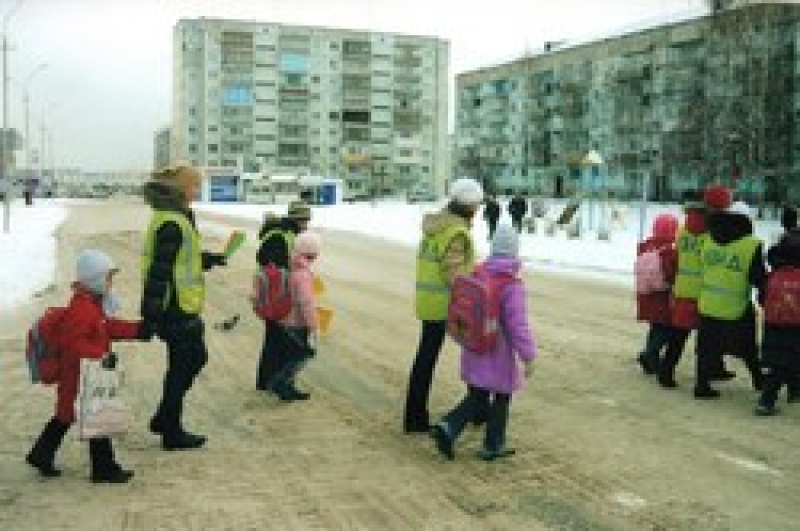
[780, 346]
[298, 329]
[85, 332]
[654, 308]
[494, 375]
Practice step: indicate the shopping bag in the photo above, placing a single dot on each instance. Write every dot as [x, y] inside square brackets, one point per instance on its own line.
[324, 316]
[319, 286]
[101, 409]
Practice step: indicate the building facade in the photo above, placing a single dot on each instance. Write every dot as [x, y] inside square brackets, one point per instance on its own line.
[369, 108]
[711, 98]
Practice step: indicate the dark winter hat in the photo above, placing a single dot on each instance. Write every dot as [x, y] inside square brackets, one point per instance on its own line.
[299, 210]
[717, 197]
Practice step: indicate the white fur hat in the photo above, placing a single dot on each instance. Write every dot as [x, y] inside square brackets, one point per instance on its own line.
[466, 191]
[91, 269]
[307, 243]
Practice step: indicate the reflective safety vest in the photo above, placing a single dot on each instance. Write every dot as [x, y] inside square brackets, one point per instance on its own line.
[188, 268]
[726, 290]
[688, 279]
[432, 291]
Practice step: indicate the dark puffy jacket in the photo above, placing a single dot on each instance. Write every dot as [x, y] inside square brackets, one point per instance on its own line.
[274, 249]
[781, 344]
[491, 210]
[517, 207]
[168, 241]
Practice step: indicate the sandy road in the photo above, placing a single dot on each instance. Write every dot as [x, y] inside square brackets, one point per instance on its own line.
[599, 446]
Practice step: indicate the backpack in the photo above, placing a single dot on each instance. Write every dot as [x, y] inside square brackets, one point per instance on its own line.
[782, 303]
[273, 298]
[42, 350]
[649, 273]
[473, 317]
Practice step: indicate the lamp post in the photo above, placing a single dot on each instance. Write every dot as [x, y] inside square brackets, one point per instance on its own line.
[4, 176]
[26, 100]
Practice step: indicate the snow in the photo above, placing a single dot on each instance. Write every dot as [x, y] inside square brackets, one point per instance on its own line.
[28, 251]
[395, 221]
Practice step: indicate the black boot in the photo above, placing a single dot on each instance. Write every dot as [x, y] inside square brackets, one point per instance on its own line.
[104, 468]
[43, 453]
[182, 441]
[494, 441]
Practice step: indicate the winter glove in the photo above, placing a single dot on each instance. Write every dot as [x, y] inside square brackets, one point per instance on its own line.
[213, 259]
[109, 361]
[147, 329]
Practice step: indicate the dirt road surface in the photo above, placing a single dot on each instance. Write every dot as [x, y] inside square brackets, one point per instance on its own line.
[599, 446]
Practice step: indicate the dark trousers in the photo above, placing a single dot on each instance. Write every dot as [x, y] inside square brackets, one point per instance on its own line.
[419, 385]
[477, 399]
[517, 222]
[666, 338]
[716, 337]
[43, 453]
[293, 353]
[492, 223]
[774, 379]
[186, 357]
[270, 360]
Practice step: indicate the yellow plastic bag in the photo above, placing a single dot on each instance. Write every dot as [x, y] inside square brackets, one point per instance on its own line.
[324, 318]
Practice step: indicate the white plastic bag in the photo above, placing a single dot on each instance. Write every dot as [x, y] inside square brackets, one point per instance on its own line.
[101, 410]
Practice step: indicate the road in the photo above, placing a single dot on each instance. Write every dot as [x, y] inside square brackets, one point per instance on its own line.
[599, 446]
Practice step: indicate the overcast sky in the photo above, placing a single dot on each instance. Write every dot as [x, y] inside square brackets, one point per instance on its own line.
[107, 86]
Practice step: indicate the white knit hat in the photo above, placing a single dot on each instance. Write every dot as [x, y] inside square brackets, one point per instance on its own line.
[739, 207]
[307, 243]
[92, 268]
[466, 191]
[505, 241]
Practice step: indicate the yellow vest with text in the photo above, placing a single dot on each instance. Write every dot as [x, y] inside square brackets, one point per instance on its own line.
[688, 280]
[432, 290]
[187, 274]
[726, 289]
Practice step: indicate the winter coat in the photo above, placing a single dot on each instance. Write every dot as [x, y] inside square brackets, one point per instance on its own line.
[685, 310]
[491, 210]
[168, 241]
[518, 207]
[85, 332]
[780, 345]
[301, 284]
[656, 307]
[274, 249]
[498, 371]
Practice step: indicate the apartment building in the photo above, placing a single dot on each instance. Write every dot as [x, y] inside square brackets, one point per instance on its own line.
[367, 107]
[712, 97]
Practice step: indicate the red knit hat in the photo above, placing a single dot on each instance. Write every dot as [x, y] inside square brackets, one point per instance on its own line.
[665, 227]
[717, 197]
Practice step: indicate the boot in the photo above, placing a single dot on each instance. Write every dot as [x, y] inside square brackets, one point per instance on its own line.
[704, 391]
[287, 392]
[104, 468]
[494, 441]
[182, 441]
[444, 441]
[43, 453]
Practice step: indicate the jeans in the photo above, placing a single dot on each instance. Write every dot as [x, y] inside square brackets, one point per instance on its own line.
[496, 423]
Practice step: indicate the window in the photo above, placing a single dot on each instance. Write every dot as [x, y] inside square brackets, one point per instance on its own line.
[213, 148]
[212, 128]
[334, 150]
[192, 148]
[334, 115]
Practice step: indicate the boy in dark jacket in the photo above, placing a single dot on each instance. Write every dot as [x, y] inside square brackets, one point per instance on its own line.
[277, 239]
[732, 263]
[781, 343]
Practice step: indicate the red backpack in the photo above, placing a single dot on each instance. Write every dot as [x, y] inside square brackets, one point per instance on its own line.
[782, 304]
[43, 349]
[473, 317]
[273, 297]
[649, 273]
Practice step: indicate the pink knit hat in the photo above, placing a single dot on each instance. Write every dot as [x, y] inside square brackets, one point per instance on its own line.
[307, 243]
[665, 227]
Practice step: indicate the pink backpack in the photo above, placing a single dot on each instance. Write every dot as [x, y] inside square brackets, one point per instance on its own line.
[649, 272]
[782, 304]
[473, 318]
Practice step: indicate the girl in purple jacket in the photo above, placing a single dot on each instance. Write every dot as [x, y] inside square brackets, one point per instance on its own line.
[494, 376]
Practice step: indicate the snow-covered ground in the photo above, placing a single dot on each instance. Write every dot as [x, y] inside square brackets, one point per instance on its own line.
[27, 253]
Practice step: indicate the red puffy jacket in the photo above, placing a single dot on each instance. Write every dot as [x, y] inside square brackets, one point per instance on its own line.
[85, 332]
[655, 307]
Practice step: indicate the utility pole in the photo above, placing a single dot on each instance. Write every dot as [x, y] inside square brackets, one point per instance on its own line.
[4, 148]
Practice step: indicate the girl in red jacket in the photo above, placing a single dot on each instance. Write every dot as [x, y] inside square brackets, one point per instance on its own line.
[654, 308]
[86, 331]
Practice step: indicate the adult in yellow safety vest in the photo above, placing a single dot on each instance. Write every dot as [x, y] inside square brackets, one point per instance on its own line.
[732, 264]
[173, 266]
[276, 242]
[446, 250]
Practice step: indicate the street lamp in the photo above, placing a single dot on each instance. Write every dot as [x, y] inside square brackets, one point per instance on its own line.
[26, 99]
[4, 176]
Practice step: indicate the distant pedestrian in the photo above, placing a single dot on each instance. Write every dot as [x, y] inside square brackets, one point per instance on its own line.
[85, 332]
[491, 213]
[653, 305]
[517, 208]
[732, 264]
[492, 377]
[446, 250]
[277, 235]
[173, 295]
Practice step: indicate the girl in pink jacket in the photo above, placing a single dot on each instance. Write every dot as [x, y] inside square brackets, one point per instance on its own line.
[299, 328]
